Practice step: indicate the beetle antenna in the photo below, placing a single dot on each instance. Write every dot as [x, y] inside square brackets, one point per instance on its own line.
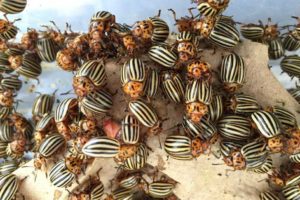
[68, 92]
[54, 24]
[191, 13]
[173, 12]
[158, 14]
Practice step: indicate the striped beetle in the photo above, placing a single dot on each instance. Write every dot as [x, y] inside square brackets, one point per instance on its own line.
[218, 31]
[47, 49]
[79, 45]
[153, 30]
[172, 86]
[269, 126]
[215, 108]
[107, 147]
[133, 76]
[64, 172]
[198, 96]
[64, 112]
[3, 146]
[28, 65]
[233, 72]
[268, 196]
[286, 118]
[243, 104]
[4, 112]
[7, 98]
[295, 158]
[29, 39]
[12, 6]
[96, 103]
[295, 92]
[204, 129]
[276, 49]
[127, 180]
[51, 145]
[130, 129]
[90, 77]
[11, 83]
[252, 32]
[17, 147]
[138, 160]
[101, 22]
[146, 115]
[179, 145]
[287, 175]
[7, 29]
[235, 128]
[7, 167]
[186, 47]
[42, 105]
[44, 126]
[151, 83]
[291, 65]
[291, 192]
[292, 141]
[249, 156]
[9, 185]
[159, 189]
[120, 193]
[211, 8]
[265, 167]
[6, 131]
[122, 34]
[67, 59]
[291, 41]
[198, 69]
[163, 56]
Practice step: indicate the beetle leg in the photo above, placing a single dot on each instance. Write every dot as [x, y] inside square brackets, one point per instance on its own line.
[190, 11]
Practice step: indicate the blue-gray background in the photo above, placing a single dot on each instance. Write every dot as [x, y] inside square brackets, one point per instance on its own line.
[78, 12]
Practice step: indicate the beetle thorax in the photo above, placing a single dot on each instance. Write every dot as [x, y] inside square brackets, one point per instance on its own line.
[199, 70]
[275, 144]
[144, 29]
[271, 32]
[82, 85]
[133, 88]
[196, 110]
[238, 161]
[15, 61]
[65, 59]
[3, 25]
[218, 4]
[205, 26]
[73, 164]
[186, 50]
[127, 151]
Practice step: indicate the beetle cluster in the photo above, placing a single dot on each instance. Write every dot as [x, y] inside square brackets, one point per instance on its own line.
[81, 128]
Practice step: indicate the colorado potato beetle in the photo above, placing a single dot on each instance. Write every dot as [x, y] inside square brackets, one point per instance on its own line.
[133, 76]
[269, 126]
[13, 7]
[172, 86]
[232, 72]
[89, 77]
[291, 65]
[211, 8]
[198, 96]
